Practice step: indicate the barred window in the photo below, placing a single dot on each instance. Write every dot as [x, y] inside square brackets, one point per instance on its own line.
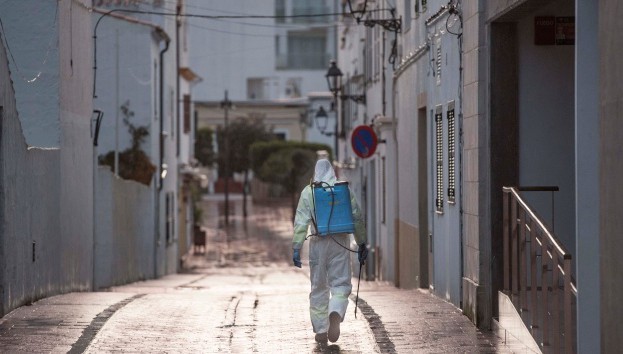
[439, 155]
[451, 153]
[438, 63]
[407, 12]
[384, 188]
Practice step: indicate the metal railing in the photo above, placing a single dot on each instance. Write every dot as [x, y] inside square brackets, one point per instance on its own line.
[537, 275]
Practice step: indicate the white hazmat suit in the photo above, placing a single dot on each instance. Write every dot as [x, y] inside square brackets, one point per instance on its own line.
[329, 258]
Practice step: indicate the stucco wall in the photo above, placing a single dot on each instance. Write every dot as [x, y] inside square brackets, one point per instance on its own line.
[47, 193]
[76, 153]
[125, 74]
[611, 169]
[218, 51]
[30, 198]
[546, 123]
[587, 136]
[443, 88]
[124, 236]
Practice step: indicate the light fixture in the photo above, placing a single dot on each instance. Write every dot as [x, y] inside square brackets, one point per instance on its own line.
[322, 119]
[163, 172]
[334, 81]
[334, 78]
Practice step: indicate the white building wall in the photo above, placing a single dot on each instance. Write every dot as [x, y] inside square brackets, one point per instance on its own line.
[76, 154]
[125, 229]
[444, 86]
[47, 194]
[546, 123]
[226, 52]
[124, 75]
[587, 97]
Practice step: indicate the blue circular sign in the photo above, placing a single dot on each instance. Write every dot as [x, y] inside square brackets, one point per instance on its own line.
[364, 141]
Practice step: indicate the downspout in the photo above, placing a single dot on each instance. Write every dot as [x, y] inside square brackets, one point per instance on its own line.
[384, 112]
[178, 24]
[161, 144]
[160, 148]
[396, 181]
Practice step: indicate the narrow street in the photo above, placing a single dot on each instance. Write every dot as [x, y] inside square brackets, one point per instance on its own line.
[239, 295]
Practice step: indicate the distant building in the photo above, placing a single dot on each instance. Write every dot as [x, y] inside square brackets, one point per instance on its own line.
[263, 61]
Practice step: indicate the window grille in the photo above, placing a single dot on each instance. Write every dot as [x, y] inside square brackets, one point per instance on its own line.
[439, 155]
[384, 188]
[451, 153]
[438, 63]
[407, 19]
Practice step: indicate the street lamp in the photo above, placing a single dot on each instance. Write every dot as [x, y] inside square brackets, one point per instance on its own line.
[226, 104]
[334, 78]
[334, 81]
[322, 119]
[322, 122]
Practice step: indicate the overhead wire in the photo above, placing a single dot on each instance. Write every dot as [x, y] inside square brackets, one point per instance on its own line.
[46, 56]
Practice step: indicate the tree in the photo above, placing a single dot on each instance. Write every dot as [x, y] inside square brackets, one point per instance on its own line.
[204, 147]
[242, 132]
[292, 169]
[134, 164]
[287, 163]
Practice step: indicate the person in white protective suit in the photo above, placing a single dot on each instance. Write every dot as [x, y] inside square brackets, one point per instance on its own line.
[329, 260]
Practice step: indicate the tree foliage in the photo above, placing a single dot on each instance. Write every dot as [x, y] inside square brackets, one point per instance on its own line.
[261, 152]
[204, 147]
[242, 133]
[289, 164]
[134, 164]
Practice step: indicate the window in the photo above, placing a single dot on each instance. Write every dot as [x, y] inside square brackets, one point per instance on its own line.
[280, 10]
[368, 54]
[172, 113]
[451, 153]
[301, 8]
[407, 19]
[186, 114]
[438, 63]
[384, 188]
[169, 227]
[439, 154]
[306, 50]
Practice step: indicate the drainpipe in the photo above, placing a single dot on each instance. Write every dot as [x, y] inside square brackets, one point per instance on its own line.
[178, 24]
[158, 187]
[161, 144]
[396, 182]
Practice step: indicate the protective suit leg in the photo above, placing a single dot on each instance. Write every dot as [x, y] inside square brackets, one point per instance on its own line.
[330, 274]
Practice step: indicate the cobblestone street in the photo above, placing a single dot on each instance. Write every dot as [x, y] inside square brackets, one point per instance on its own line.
[239, 295]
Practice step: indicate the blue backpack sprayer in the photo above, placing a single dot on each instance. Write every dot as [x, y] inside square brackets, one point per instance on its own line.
[332, 214]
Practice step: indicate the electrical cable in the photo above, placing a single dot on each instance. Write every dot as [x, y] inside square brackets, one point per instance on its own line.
[45, 58]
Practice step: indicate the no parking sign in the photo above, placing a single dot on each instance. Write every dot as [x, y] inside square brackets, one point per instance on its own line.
[364, 141]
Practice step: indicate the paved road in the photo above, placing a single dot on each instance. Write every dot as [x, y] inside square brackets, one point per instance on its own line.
[239, 296]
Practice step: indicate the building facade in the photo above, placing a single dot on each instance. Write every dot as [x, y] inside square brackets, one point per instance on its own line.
[279, 59]
[47, 154]
[474, 96]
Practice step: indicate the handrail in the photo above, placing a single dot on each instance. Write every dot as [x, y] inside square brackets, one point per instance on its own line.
[529, 246]
[543, 189]
[533, 215]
